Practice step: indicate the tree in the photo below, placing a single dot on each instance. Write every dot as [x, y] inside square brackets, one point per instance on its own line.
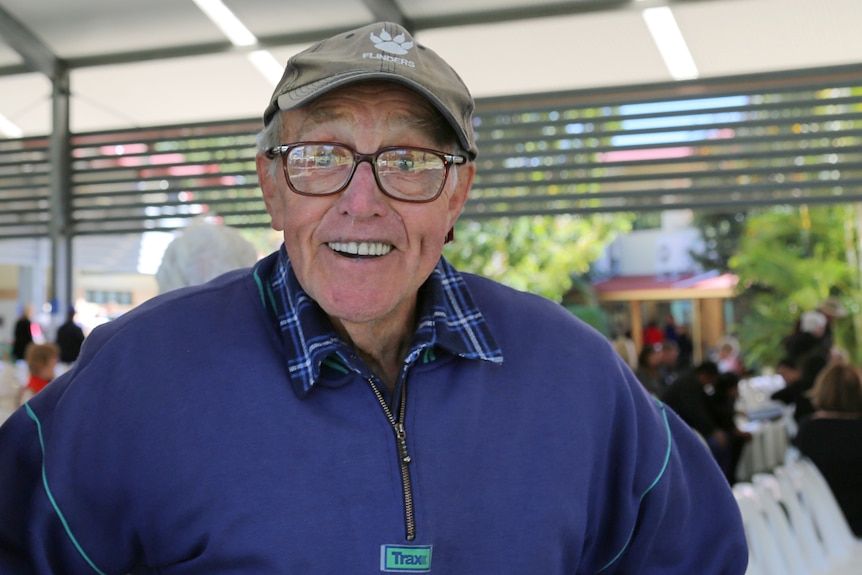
[790, 259]
[721, 233]
[534, 253]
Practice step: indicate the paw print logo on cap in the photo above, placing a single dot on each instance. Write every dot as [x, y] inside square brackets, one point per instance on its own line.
[385, 41]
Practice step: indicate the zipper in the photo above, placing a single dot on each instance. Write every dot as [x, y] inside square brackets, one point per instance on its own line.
[404, 458]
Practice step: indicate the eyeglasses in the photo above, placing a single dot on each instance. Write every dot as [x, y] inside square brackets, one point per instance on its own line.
[402, 172]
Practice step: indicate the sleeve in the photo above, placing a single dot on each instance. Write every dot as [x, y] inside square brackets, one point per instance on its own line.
[31, 535]
[38, 534]
[688, 520]
[19, 479]
[668, 507]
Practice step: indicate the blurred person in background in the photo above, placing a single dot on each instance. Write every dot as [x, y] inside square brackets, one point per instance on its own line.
[686, 347]
[795, 393]
[70, 338]
[671, 330]
[203, 251]
[689, 397]
[809, 336]
[652, 333]
[722, 404]
[832, 436]
[23, 334]
[41, 361]
[648, 372]
[668, 366]
[625, 346]
[728, 356]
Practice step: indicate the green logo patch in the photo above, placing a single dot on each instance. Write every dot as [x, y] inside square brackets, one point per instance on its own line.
[405, 558]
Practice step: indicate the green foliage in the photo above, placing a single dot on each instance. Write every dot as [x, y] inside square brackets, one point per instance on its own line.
[592, 315]
[789, 260]
[721, 233]
[534, 253]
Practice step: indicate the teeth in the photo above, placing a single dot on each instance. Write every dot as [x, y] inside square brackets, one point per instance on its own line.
[361, 248]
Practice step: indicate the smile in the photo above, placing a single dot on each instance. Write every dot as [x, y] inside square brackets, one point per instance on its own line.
[360, 248]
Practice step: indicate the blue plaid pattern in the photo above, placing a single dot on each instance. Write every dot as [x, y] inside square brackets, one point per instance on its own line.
[449, 321]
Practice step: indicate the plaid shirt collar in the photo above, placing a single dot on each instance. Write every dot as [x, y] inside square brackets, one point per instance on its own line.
[449, 321]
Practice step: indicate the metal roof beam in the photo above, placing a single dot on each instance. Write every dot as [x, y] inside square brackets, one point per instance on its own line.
[187, 51]
[389, 11]
[520, 13]
[35, 53]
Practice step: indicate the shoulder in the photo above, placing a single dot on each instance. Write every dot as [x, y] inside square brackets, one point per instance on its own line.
[541, 339]
[505, 307]
[173, 345]
[208, 311]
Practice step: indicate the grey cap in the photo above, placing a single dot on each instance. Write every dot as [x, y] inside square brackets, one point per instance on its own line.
[380, 51]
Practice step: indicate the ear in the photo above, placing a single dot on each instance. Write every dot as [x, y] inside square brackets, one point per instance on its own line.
[273, 197]
[463, 180]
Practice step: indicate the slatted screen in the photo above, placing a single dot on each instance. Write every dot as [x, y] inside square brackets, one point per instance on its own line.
[735, 142]
[158, 179]
[707, 145]
[24, 188]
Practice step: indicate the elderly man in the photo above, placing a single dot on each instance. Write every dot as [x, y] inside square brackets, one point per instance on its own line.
[352, 404]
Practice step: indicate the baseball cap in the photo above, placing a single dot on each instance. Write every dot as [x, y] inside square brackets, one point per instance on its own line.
[379, 51]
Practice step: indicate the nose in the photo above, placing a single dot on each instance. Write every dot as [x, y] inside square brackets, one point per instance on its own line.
[362, 198]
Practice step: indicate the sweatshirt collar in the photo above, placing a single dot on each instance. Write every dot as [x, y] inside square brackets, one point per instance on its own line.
[449, 321]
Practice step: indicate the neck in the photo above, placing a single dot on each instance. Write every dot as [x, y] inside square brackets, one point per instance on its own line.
[381, 345]
[384, 365]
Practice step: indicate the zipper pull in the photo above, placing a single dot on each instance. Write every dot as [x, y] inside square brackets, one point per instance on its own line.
[401, 436]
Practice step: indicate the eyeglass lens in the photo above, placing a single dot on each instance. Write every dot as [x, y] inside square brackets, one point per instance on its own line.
[404, 173]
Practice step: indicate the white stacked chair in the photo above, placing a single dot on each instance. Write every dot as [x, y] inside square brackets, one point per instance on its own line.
[841, 545]
[794, 525]
[803, 523]
[764, 553]
[779, 525]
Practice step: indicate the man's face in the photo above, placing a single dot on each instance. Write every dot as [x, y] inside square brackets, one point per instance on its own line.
[355, 289]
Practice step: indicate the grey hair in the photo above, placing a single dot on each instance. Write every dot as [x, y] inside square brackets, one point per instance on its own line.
[268, 138]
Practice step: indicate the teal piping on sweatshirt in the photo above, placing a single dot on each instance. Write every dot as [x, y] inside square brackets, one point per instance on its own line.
[264, 290]
[652, 485]
[336, 364]
[51, 495]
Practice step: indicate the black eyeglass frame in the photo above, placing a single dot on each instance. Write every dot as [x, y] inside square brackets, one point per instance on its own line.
[449, 160]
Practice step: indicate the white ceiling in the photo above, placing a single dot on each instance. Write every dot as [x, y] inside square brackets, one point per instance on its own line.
[510, 52]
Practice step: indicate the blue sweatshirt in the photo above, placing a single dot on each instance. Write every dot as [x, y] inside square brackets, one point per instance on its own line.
[177, 445]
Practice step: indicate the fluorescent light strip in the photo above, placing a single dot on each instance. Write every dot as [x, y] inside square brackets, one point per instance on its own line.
[222, 16]
[239, 35]
[8, 129]
[668, 37]
[267, 65]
